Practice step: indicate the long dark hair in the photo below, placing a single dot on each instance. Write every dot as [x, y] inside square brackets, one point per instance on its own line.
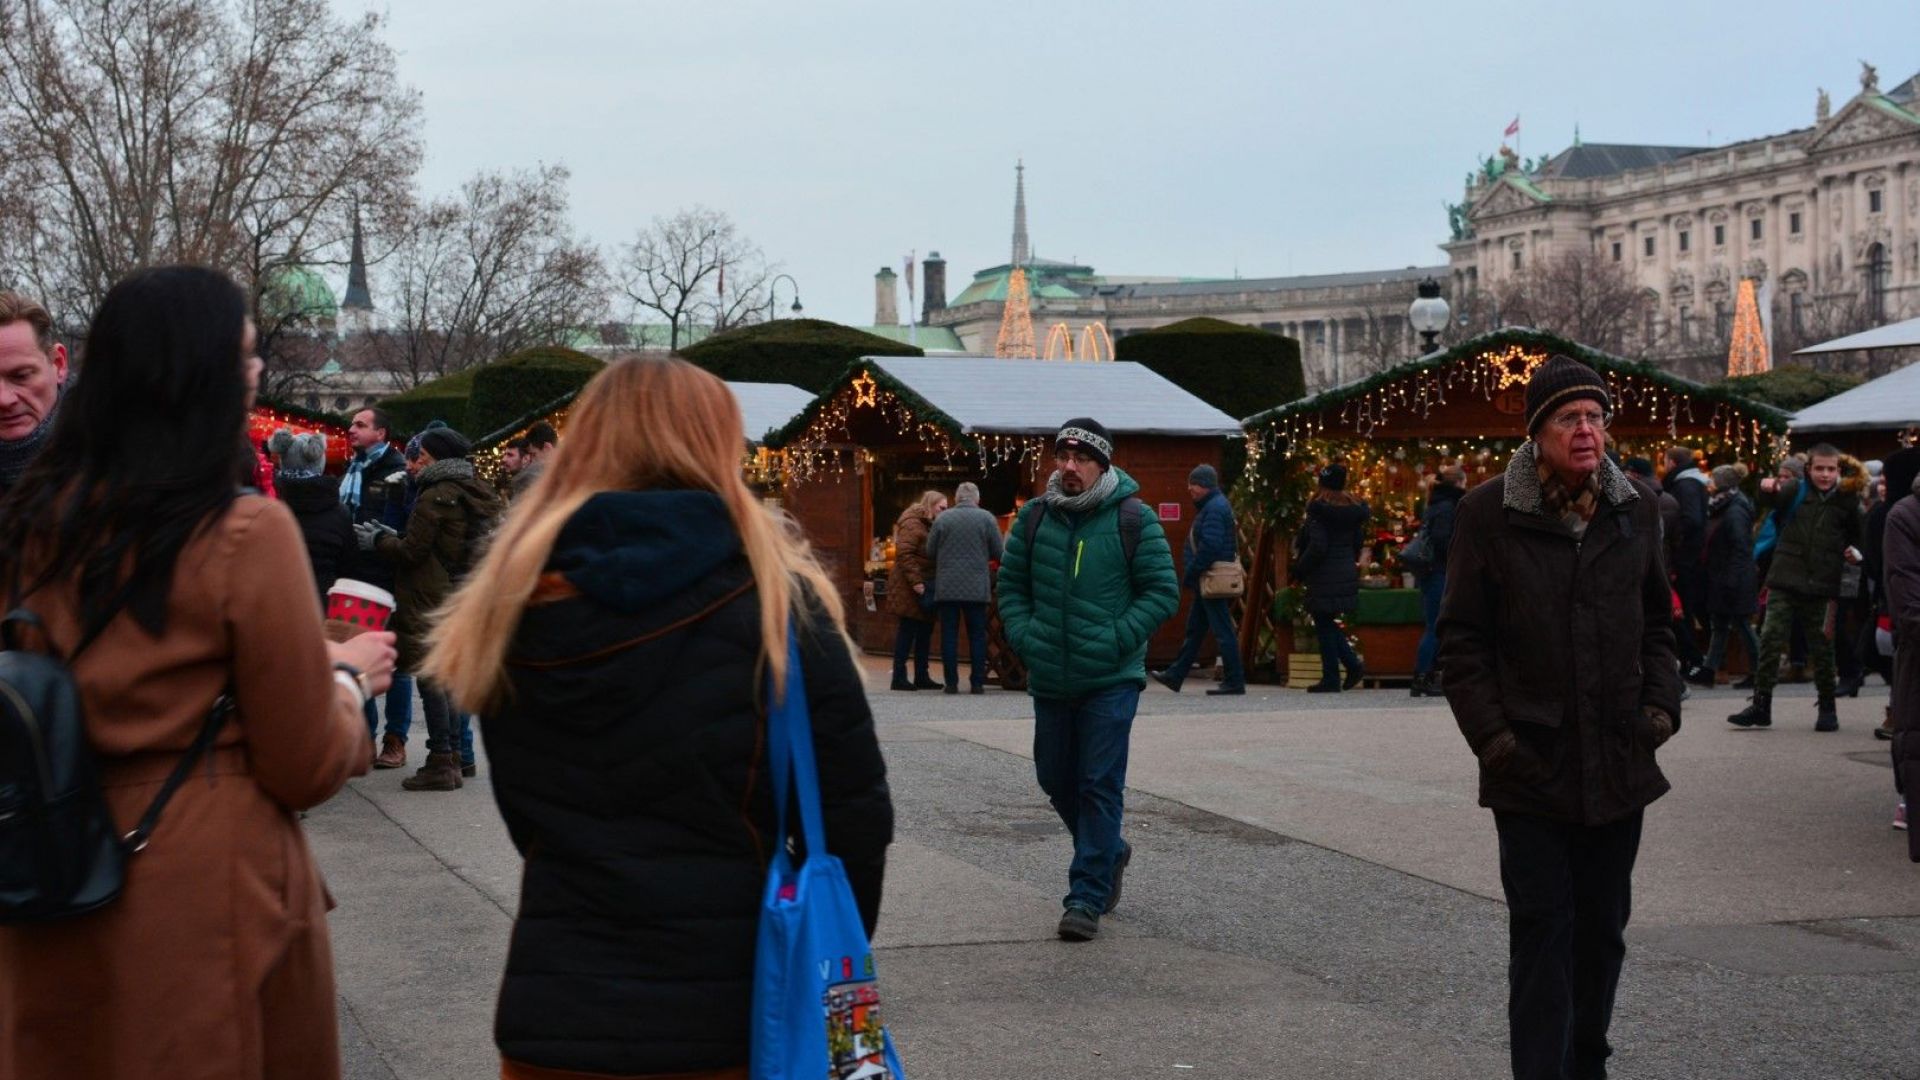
[144, 451]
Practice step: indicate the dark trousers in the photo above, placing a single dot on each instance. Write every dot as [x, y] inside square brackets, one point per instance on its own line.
[443, 723]
[1334, 649]
[914, 636]
[1080, 759]
[1569, 893]
[951, 612]
[1724, 626]
[1432, 588]
[1203, 617]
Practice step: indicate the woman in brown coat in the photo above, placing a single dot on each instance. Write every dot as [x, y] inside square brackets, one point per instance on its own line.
[214, 961]
[908, 594]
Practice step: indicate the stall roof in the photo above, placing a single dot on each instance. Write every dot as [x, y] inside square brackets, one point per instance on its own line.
[990, 396]
[1890, 401]
[767, 406]
[1900, 335]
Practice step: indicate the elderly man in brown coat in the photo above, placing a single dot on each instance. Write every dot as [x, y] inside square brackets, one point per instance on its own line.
[1557, 656]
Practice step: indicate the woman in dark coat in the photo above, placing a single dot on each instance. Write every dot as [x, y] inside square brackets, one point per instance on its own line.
[1733, 581]
[619, 639]
[1328, 568]
[314, 498]
[1443, 499]
[910, 592]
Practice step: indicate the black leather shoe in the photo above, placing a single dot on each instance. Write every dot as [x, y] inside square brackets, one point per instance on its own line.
[1324, 688]
[978, 689]
[927, 684]
[902, 684]
[951, 688]
[1161, 678]
[1226, 691]
[1353, 678]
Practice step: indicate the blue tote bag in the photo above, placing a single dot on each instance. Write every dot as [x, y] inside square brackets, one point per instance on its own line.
[816, 1000]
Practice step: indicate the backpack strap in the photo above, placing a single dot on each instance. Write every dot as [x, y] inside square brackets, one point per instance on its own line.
[1133, 520]
[136, 840]
[1030, 528]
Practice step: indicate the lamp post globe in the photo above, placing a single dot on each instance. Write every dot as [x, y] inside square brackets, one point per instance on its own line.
[1428, 314]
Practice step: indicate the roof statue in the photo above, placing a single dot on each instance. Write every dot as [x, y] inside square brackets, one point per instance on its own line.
[1869, 78]
[1822, 107]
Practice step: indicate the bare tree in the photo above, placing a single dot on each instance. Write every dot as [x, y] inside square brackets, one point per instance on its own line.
[235, 133]
[695, 267]
[491, 272]
[1579, 296]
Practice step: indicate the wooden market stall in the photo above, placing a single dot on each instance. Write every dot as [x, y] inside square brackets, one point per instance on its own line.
[268, 416]
[1871, 420]
[1466, 403]
[892, 427]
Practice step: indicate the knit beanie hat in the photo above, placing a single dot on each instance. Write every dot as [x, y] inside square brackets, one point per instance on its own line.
[444, 443]
[1204, 476]
[1794, 466]
[1334, 477]
[1725, 478]
[1086, 435]
[278, 442]
[413, 445]
[305, 453]
[1560, 380]
[1639, 467]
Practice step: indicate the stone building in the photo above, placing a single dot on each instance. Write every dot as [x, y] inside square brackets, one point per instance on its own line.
[1827, 216]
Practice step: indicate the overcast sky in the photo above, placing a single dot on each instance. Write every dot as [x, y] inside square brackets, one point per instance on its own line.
[1194, 138]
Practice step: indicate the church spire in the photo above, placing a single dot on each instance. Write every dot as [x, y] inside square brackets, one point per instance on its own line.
[1021, 254]
[358, 296]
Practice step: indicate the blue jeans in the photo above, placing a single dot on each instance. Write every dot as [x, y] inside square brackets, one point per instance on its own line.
[1723, 627]
[1432, 588]
[1080, 757]
[1334, 649]
[1203, 616]
[976, 615]
[399, 709]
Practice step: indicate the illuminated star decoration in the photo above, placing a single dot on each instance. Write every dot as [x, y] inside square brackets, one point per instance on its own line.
[866, 392]
[1514, 366]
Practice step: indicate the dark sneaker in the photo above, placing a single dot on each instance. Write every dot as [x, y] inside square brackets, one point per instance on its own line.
[902, 684]
[926, 684]
[1226, 691]
[1324, 688]
[1161, 678]
[951, 688]
[1079, 924]
[1119, 875]
[1353, 679]
[978, 688]
[1700, 675]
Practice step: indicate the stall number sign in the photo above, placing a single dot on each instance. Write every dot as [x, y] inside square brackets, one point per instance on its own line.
[1170, 511]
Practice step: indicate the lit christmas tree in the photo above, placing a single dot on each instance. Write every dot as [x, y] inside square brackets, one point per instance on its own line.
[1016, 322]
[1748, 353]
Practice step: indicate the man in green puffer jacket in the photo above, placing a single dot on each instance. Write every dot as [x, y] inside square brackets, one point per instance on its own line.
[1081, 590]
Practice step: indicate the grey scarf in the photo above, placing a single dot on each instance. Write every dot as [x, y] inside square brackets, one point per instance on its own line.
[17, 454]
[1088, 500]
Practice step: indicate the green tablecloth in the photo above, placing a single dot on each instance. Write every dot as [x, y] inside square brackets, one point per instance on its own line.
[1378, 607]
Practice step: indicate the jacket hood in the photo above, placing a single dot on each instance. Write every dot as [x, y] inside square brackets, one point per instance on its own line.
[1338, 516]
[1523, 483]
[631, 549]
[1128, 487]
[1445, 493]
[1691, 474]
[308, 494]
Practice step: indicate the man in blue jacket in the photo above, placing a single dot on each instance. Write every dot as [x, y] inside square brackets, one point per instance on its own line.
[1210, 541]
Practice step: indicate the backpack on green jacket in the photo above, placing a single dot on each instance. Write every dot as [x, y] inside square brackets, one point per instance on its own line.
[1132, 515]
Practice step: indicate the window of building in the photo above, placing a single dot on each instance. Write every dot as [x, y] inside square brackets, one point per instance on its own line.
[1719, 236]
[1616, 251]
[1753, 226]
[1722, 320]
[1873, 201]
[1649, 246]
[1685, 237]
[1793, 223]
[1516, 258]
[1797, 309]
[1686, 323]
[1877, 282]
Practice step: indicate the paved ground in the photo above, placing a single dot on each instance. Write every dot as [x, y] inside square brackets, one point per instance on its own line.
[1314, 894]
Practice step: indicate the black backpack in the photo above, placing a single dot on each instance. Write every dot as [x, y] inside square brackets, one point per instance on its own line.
[60, 853]
[1132, 515]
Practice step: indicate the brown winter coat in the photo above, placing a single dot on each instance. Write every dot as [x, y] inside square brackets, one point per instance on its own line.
[1563, 643]
[214, 963]
[911, 566]
[453, 500]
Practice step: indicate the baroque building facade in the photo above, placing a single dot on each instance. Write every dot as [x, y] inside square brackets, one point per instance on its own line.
[1825, 219]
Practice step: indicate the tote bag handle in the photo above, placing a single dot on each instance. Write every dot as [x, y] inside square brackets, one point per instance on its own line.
[796, 776]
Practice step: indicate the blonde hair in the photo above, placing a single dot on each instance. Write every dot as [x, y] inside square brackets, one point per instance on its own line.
[927, 501]
[640, 424]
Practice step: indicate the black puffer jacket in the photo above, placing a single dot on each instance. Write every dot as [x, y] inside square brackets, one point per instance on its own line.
[630, 769]
[1326, 565]
[1733, 581]
[324, 524]
[1563, 642]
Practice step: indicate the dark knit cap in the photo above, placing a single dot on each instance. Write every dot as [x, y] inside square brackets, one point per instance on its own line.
[1334, 477]
[1204, 476]
[1560, 380]
[444, 443]
[1899, 470]
[1088, 436]
[1639, 467]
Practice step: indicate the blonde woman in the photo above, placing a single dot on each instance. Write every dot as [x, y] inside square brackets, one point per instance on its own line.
[617, 640]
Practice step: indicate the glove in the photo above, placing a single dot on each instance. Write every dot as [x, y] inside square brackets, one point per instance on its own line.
[1499, 751]
[1659, 724]
[368, 533]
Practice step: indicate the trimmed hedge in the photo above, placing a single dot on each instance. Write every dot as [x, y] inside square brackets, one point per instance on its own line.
[1791, 388]
[507, 389]
[440, 399]
[809, 353]
[1240, 370]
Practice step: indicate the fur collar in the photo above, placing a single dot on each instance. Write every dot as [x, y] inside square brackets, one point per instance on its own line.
[451, 469]
[1523, 482]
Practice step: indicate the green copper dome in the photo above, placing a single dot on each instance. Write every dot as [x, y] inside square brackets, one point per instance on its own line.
[296, 292]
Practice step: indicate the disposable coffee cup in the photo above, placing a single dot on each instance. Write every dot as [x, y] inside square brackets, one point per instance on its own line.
[359, 604]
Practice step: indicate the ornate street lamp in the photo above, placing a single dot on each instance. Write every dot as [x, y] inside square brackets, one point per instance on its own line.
[1428, 314]
[796, 295]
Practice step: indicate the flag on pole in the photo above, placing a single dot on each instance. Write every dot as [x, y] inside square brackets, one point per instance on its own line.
[1513, 128]
[910, 302]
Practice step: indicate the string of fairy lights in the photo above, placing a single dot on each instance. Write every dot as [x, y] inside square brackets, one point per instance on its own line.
[827, 448]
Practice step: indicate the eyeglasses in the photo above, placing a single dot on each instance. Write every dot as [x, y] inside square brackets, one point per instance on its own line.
[1073, 456]
[1571, 421]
